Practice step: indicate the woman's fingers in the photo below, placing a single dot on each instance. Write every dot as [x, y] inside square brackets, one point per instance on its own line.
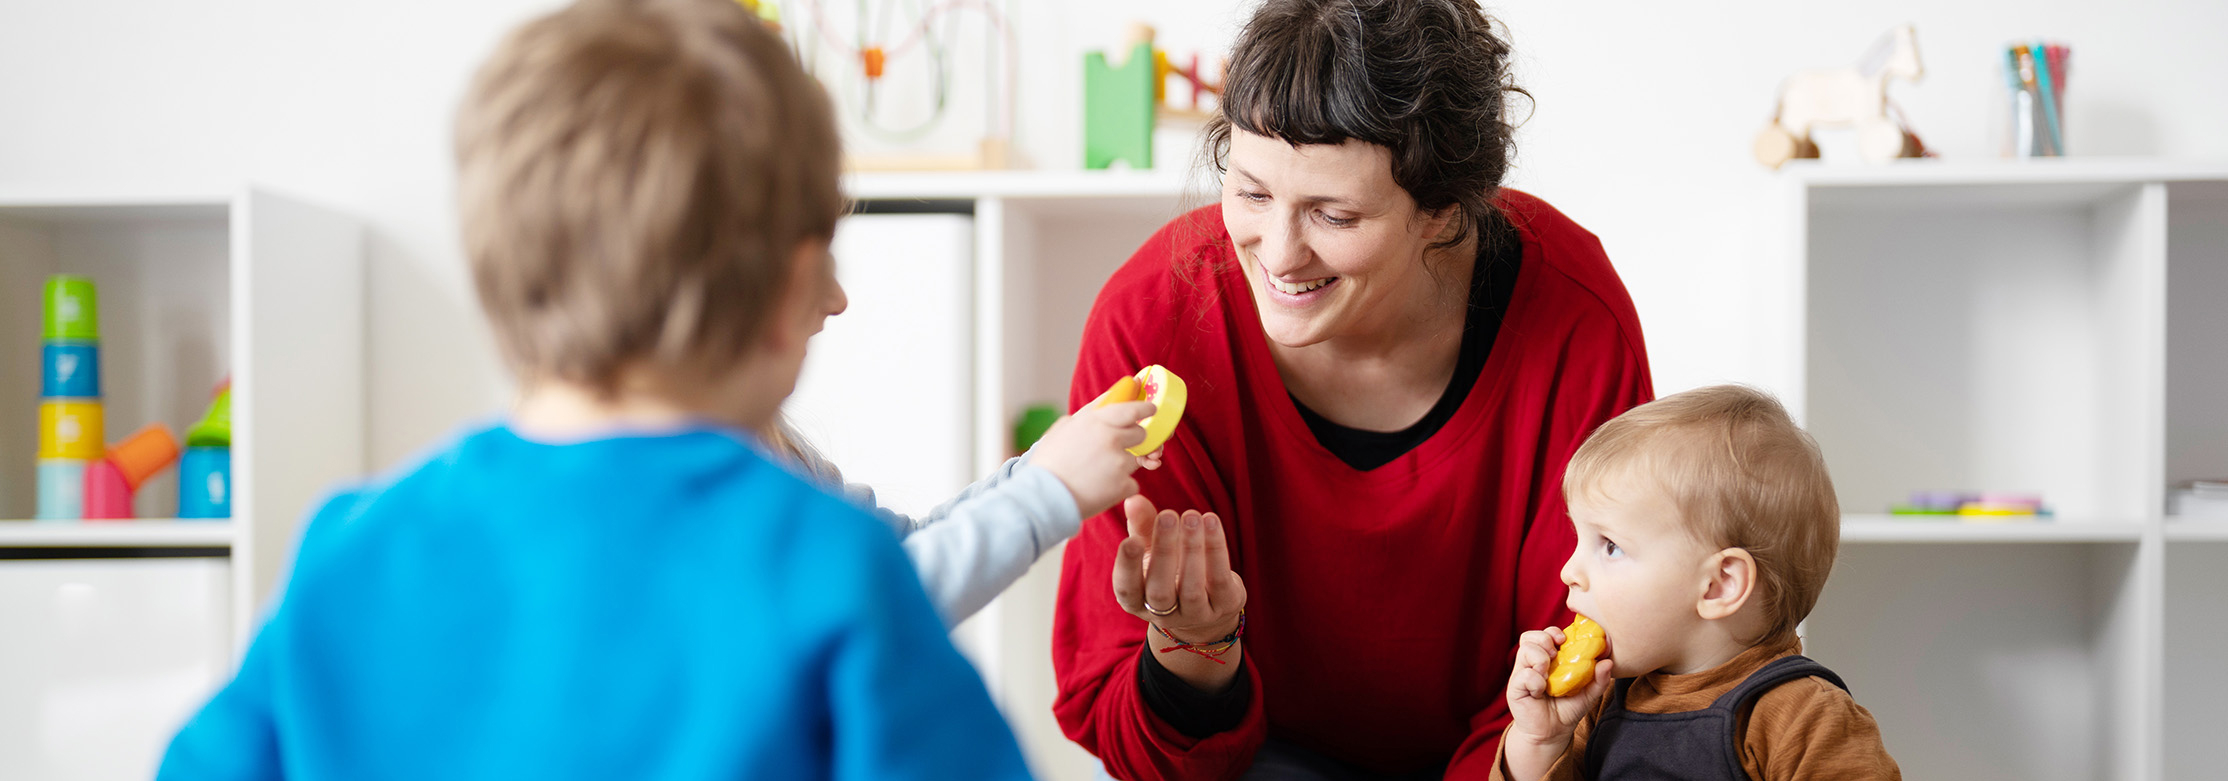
[1129, 575]
[1168, 551]
[1139, 511]
[1192, 587]
[1225, 590]
[1217, 546]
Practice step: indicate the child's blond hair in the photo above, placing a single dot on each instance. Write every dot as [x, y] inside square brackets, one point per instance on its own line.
[1742, 475]
[635, 177]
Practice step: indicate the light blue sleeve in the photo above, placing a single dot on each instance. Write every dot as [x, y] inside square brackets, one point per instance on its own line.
[970, 549]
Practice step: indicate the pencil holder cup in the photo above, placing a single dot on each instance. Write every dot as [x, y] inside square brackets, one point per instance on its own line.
[2030, 128]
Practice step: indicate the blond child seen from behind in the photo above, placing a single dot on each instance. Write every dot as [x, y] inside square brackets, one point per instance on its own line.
[1706, 527]
[613, 580]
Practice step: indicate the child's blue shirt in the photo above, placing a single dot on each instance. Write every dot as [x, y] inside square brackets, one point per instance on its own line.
[652, 606]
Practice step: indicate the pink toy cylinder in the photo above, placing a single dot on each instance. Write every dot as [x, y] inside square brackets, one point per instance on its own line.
[107, 496]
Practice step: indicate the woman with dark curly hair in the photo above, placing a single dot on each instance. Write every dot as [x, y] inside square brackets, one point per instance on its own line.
[1390, 359]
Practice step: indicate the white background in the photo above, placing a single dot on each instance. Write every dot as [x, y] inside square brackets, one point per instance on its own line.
[1644, 117]
[1641, 132]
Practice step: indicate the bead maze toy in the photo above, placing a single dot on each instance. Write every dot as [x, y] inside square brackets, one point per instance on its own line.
[865, 63]
[1852, 96]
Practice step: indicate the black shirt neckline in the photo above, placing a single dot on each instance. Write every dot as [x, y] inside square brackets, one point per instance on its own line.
[1492, 284]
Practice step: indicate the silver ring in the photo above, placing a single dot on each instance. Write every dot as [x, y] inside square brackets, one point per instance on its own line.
[1171, 609]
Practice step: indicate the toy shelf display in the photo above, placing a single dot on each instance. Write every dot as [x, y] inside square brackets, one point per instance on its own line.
[138, 305]
[133, 304]
[80, 478]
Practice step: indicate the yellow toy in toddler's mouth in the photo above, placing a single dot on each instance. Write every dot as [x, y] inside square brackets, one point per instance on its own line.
[1583, 643]
[1161, 387]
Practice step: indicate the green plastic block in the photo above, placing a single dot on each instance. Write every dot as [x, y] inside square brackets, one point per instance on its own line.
[1118, 110]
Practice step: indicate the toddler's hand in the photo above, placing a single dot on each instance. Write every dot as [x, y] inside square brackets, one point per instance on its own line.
[1089, 452]
[1540, 726]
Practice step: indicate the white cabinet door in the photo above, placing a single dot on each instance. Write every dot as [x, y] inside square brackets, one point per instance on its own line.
[886, 392]
[102, 659]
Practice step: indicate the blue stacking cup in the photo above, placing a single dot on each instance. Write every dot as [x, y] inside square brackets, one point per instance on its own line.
[205, 483]
[70, 370]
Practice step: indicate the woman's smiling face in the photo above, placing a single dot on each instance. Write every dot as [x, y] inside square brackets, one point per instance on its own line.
[1332, 246]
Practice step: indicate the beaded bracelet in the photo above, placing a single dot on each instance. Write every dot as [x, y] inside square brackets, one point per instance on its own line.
[1209, 651]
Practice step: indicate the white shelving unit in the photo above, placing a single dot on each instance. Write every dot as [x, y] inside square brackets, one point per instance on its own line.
[1043, 245]
[148, 533]
[144, 616]
[2047, 326]
[2050, 326]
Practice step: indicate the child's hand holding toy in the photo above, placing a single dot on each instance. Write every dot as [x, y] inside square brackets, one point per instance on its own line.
[1094, 451]
[1550, 690]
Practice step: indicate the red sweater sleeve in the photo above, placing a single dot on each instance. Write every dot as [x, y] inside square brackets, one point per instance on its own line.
[1094, 643]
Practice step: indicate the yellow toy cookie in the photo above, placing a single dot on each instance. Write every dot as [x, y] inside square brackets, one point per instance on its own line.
[1583, 643]
[1159, 386]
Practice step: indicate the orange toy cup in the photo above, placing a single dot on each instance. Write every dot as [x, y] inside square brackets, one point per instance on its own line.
[144, 453]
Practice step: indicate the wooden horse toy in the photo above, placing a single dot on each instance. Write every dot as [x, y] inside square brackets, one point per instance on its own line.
[1856, 96]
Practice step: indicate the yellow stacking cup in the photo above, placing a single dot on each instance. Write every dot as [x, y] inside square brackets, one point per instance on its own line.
[70, 429]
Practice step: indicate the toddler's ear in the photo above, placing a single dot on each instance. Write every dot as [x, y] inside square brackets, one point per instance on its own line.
[1732, 580]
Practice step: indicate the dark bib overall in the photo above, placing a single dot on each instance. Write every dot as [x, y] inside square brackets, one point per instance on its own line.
[1697, 745]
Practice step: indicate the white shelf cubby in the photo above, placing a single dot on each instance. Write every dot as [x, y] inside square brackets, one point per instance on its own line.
[2043, 326]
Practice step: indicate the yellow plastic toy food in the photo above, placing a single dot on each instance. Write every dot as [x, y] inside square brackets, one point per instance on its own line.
[1583, 643]
[1159, 386]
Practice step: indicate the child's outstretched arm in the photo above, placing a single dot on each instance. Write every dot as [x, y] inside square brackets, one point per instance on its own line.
[971, 548]
[1541, 727]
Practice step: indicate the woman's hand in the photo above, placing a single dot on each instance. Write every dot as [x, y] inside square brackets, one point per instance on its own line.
[1174, 572]
[1540, 726]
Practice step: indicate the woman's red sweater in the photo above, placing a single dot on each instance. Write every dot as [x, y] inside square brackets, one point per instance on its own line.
[1383, 606]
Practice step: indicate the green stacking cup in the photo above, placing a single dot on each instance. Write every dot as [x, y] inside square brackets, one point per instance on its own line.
[71, 310]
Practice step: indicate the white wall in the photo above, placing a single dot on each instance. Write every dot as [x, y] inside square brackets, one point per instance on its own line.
[1645, 111]
[1644, 116]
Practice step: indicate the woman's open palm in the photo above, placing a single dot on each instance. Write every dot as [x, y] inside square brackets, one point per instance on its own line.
[1174, 571]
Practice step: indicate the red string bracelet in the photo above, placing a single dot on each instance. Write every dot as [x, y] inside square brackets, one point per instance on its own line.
[1209, 651]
